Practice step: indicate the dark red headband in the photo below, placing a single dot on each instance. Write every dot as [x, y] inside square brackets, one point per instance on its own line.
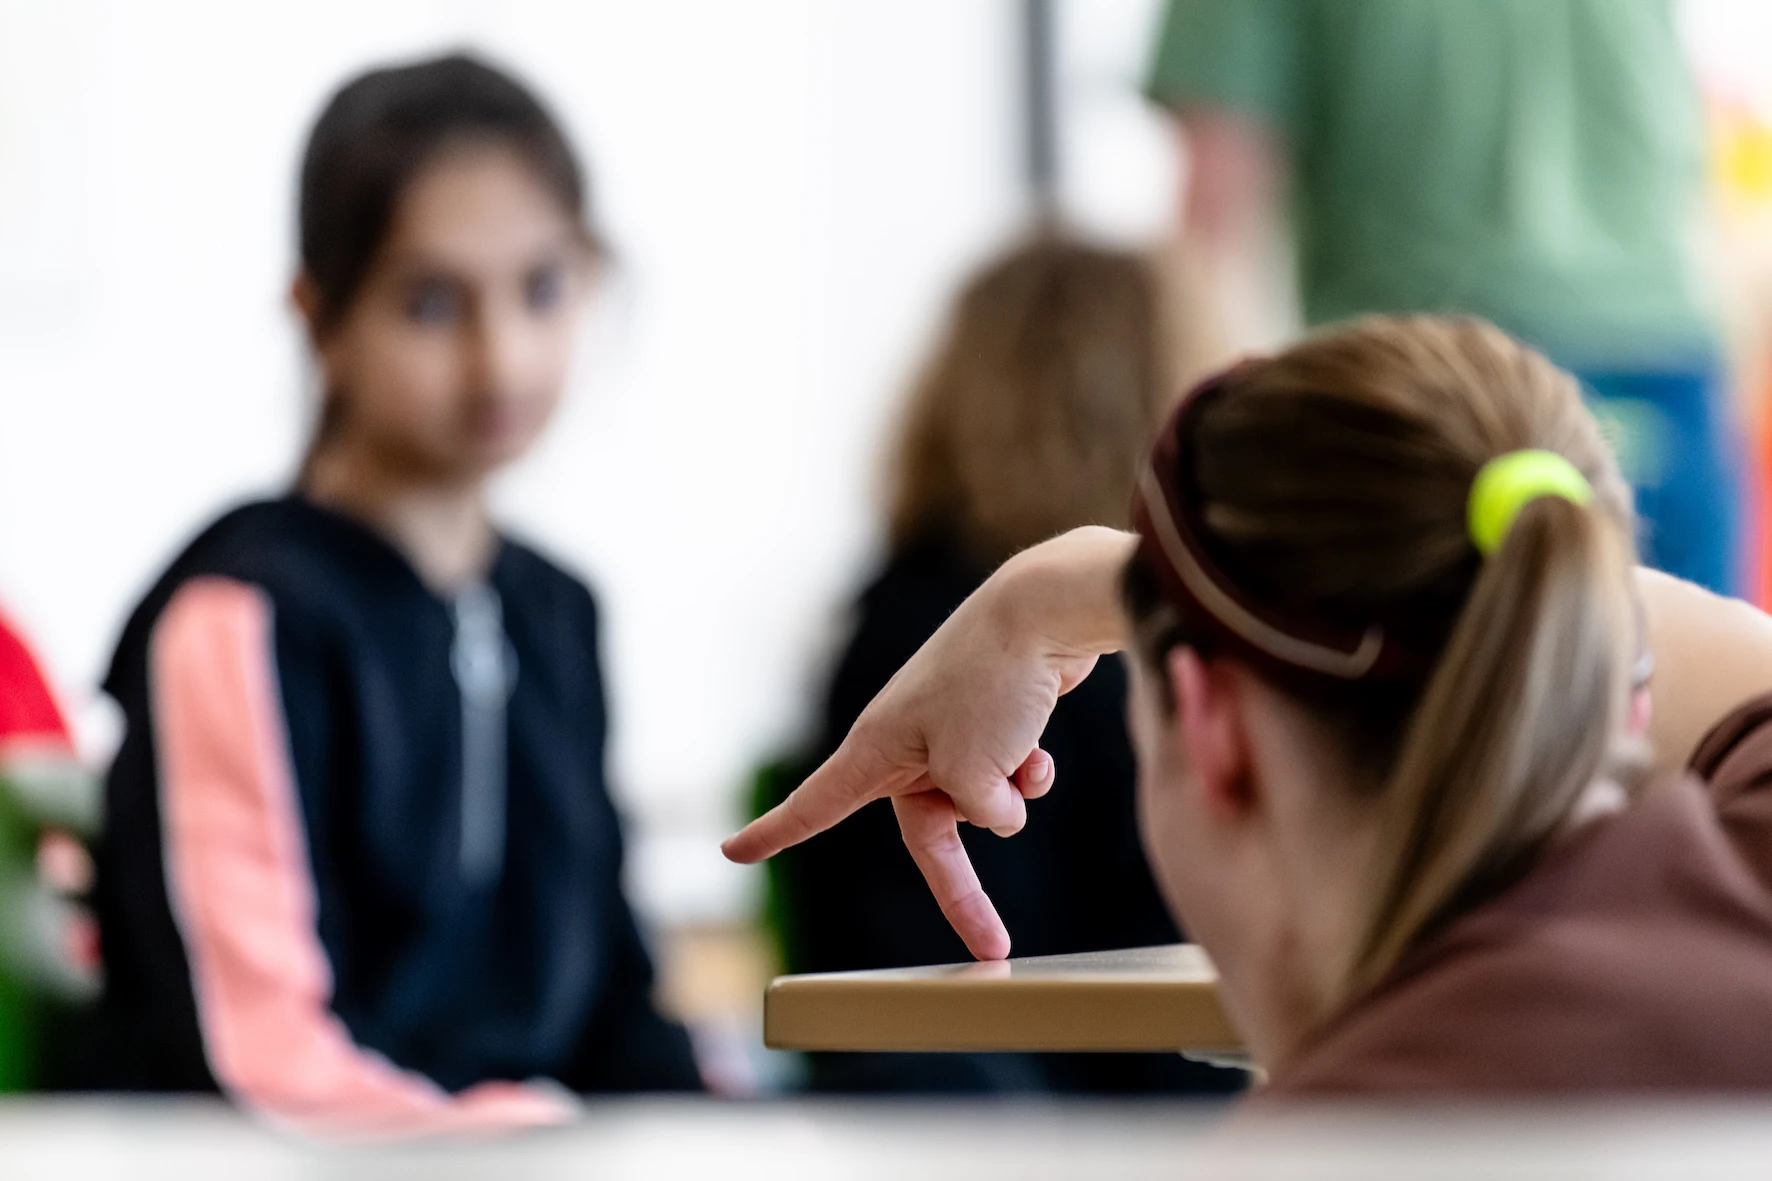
[1290, 647]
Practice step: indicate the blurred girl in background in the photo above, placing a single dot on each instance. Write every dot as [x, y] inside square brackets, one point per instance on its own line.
[1028, 420]
[361, 869]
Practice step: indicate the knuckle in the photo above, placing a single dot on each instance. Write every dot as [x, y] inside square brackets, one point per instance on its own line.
[795, 815]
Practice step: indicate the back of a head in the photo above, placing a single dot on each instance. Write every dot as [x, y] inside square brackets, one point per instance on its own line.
[1331, 485]
[1032, 414]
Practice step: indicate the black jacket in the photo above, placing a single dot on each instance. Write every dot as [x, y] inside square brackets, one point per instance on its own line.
[473, 920]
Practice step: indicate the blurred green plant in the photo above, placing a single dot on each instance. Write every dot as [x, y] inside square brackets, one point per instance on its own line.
[770, 785]
[48, 805]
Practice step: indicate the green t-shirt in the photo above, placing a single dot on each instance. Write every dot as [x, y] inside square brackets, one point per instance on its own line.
[1536, 162]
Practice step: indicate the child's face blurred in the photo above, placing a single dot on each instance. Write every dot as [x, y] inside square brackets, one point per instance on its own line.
[454, 353]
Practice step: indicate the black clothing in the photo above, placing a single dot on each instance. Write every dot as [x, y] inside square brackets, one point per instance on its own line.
[473, 919]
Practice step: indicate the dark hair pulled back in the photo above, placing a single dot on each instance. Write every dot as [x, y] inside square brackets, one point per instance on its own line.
[376, 135]
[382, 128]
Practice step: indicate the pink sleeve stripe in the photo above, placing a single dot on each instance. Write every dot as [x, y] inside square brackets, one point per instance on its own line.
[237, 875]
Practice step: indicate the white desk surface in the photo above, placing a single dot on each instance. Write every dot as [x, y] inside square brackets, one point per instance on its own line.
[1023, 1140]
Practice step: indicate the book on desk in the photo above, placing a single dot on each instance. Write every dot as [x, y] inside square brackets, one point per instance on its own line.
[1138, 999]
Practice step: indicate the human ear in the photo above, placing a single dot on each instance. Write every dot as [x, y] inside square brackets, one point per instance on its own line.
[304, 296]
[1210, 728]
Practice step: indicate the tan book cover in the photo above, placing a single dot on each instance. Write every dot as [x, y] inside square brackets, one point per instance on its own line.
[1143, 998]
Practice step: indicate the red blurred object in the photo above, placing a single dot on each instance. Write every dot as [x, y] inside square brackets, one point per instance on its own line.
[29, 714]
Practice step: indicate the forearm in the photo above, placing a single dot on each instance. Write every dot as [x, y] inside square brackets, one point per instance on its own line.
[1711, 655]
[954, 736]
[1232, 226]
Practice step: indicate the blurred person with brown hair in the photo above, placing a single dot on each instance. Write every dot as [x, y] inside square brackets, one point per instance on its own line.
[1028, 420]
[361, 870]
[1460, 800]
[1538, 163]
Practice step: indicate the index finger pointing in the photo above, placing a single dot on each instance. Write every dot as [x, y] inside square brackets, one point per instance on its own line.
[843, 784]
[784, 825]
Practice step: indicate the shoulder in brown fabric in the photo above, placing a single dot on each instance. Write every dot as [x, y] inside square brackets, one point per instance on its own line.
[1636, 958]
[1735, 761]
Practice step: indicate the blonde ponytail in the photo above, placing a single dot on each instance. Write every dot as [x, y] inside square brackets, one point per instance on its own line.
[1519, 717]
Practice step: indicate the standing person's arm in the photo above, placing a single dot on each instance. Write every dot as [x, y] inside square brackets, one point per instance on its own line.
[1232, 223]
[1227, 75]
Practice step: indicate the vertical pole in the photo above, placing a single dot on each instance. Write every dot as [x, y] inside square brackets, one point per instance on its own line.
[1040, 105]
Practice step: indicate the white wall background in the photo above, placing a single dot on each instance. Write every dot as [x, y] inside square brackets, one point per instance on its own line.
[793, 187]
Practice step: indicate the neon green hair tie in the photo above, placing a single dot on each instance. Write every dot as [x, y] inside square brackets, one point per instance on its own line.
[1508, 483]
